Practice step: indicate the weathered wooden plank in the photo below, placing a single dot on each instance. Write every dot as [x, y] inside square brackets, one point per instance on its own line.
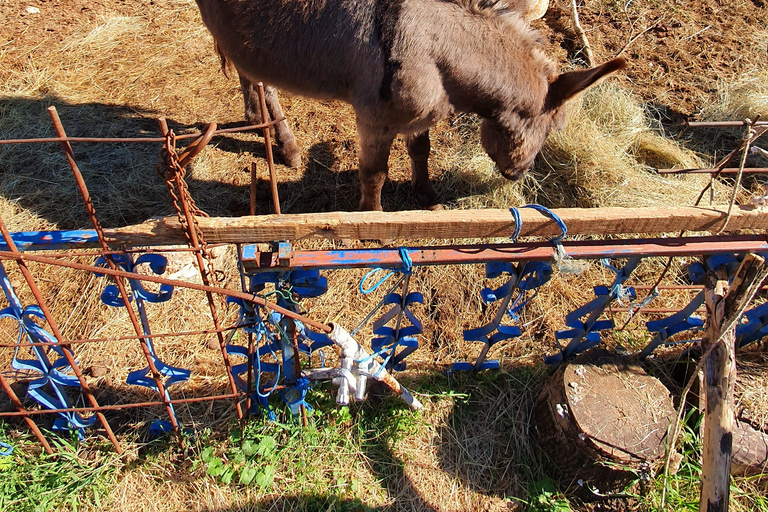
[446, 224]
[725, 304]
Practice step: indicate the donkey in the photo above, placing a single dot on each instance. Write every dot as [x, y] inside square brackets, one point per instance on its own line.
[404, 65]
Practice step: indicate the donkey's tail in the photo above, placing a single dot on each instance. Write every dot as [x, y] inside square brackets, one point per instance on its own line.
[225, 64]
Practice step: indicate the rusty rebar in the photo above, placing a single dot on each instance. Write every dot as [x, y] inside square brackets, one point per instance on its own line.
[139, 139]
[120, 407]
[195, 237]
[721, 124]
[82, 341]
[268, 147]
[172, 282]
[21, 411]
[253, 187]
[112, 266]
[713, 170]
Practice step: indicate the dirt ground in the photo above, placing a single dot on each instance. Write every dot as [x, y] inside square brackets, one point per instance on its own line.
[678, 50]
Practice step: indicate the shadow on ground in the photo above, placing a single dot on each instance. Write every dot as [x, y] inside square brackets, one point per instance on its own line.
[122, 177]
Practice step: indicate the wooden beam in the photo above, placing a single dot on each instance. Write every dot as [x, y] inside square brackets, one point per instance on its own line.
[445, 224]
[725, 304]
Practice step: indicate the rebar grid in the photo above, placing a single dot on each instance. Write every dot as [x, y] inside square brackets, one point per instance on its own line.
[187, 211]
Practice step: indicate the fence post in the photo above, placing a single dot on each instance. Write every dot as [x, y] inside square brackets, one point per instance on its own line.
[725, 305]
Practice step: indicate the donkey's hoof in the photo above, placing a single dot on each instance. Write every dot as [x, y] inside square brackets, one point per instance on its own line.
[291, 155]
[436, 207]
[428, 200]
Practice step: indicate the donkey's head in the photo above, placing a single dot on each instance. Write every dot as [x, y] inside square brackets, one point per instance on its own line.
[514, 142]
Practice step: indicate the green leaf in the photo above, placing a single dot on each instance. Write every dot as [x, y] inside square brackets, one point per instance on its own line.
[226, 478]
[247, 475]
[215, 467]
[207, 454]
[266, 446]
[6, 463]
[265, 477]
[249, 449]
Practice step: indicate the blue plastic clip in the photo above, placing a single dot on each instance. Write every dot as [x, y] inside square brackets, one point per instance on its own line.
[584, 334]
[681, 321]
[529, 276]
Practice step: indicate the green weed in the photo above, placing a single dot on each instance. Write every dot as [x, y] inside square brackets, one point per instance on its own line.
[63, 481]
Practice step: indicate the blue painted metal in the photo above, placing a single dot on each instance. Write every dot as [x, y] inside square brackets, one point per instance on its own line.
[273, 336]
[53, 240]
[755, 328]
[396, 343]
[752, 326]
[54, 375]
[585, 334]
[139, 295]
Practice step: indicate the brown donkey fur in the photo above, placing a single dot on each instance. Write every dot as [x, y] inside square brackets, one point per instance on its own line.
[404, 65]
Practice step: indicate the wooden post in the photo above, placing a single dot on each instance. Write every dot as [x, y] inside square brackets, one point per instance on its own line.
[725, 304]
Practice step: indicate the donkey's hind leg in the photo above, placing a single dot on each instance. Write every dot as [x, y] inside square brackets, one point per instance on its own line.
[418, 150]
[285, 139]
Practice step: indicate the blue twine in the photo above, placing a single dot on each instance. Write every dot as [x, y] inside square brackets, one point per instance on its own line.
[618, 290]
[5, 449]
[405, 269]
[546, 211]
[388, 350]
[302, 385]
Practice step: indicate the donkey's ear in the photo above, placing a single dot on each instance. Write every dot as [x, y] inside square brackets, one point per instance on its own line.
[569, 84]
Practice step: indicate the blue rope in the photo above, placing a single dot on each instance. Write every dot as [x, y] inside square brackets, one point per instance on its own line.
[5, 449]
[546, 211]
[405, 269]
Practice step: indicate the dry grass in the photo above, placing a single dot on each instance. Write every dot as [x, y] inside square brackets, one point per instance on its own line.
[114, 73]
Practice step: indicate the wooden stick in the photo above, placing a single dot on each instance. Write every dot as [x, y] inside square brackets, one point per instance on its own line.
[718, 344]
[446, 224]
[582, 35]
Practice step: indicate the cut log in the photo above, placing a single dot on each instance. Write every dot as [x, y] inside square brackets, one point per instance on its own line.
[750, 450]
[603, 409]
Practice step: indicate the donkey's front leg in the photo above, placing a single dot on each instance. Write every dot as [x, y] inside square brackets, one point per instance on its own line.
[418, 150]
[374, 158]
[286, 142]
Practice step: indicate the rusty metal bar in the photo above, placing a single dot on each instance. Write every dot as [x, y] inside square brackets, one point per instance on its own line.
[112, 266]
[651, 310]
[21, 411]
[122, 338]
[721, 124]
[253, 188]
[727, 170]
[172, 282]
[195, 241]
[120, 407]
[67, 351]
[481, 253]
[139, 139]
[268, 147]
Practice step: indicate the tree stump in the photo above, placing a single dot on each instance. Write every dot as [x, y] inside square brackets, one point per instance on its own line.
[598, 409]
